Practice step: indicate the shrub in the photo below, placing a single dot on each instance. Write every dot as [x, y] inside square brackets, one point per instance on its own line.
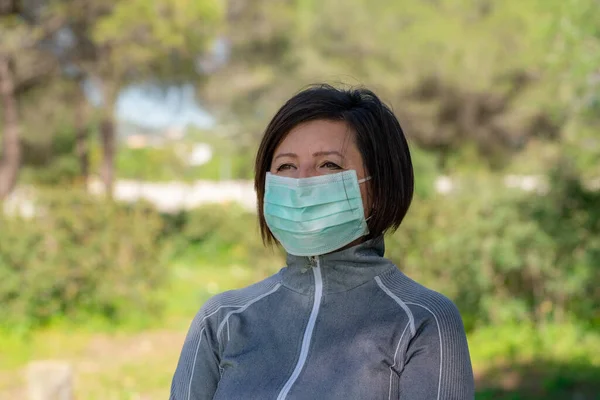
[505, 255]
[221, 234]
[78, 256]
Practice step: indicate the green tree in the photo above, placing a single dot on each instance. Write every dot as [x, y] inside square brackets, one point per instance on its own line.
[24, 64]
[10, 157]
[574, 61]
[472, 74]
[123, 42]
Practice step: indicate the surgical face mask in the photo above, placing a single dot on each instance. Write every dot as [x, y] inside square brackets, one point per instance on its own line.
[316, 215]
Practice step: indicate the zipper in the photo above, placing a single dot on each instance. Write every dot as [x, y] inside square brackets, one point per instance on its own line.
[316, 264]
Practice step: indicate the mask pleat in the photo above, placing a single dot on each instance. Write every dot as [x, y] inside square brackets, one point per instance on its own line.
[311, 213]
[310, 196]
[330, 239]
[314, 225]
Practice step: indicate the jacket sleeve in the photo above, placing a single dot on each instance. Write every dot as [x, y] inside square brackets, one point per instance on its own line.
[437, 363]
[197, 374]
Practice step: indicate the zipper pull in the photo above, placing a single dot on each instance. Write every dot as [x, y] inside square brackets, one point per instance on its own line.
[311, 264]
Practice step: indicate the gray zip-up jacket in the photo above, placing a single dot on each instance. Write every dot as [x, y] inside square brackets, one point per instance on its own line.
[346, 325]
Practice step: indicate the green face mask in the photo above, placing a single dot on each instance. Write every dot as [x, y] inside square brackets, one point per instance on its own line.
[317, 215]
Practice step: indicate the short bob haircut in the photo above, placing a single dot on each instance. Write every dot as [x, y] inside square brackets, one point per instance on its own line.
[377, 134]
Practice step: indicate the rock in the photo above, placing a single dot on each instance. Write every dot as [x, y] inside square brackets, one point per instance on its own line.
[50, 380]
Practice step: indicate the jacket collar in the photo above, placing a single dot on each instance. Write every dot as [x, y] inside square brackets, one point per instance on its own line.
[340, 270]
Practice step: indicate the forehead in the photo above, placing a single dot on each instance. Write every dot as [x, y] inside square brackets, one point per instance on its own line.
[318, 135]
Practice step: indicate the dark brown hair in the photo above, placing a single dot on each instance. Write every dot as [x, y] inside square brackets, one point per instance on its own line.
[379, 139]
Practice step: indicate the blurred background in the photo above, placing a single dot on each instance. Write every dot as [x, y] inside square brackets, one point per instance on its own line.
[128, 133]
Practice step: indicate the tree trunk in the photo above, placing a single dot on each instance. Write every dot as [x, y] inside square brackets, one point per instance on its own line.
[81, 137]
[107, 134]
[107, 169]
[10, 154]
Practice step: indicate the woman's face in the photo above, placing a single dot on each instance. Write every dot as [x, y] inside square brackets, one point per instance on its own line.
[320, 147]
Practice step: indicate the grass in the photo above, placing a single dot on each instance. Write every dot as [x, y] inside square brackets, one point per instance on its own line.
[527, 362]
[121, 363]
[191, 287]
[512, 362]
[119, 366]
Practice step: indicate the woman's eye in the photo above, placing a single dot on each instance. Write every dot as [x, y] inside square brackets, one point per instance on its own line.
[284, 167]
[331, 165]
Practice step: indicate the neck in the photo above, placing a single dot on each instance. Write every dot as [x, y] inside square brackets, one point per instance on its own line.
[341, 270]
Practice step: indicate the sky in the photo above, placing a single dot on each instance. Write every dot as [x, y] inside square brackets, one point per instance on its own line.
[150, 106]
[157, 108]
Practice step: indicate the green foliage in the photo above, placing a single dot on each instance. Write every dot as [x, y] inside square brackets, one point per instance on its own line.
[426, 172]
[152, 164]
[222, 235]
[51, 161]
[49, 136]
[62, 170]
[507, 73]
[513, 344]
[78, 257]
[505, 255]
[168, 162]
[161, 36]
[164, 164]
[528, 362]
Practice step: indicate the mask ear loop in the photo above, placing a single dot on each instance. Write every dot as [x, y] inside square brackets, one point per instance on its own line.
[368, 178]
[372, 213]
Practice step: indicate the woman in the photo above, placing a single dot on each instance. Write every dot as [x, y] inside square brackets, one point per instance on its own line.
[333, 174]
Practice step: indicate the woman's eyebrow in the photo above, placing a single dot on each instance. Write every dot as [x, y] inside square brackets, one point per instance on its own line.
[293, 155]
[317, 154]
[328, 153]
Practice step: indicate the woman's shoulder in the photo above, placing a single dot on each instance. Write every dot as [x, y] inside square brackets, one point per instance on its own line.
[421, 302]
[232, 300]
